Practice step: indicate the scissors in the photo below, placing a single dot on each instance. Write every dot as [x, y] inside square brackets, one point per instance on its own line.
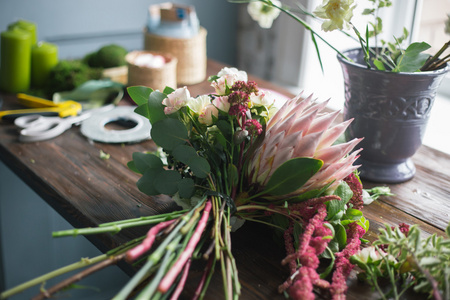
[42, 107]
[40, 128]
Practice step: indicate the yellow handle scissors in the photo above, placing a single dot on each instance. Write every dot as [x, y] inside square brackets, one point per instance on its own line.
[41, 107]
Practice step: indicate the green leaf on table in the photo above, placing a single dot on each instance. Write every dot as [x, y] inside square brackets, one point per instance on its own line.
[292, 175]
[167, 182]
[132, 166]
[139, 94]
[186, 188]
[412, 59]
[146, 183]
[169, 133]
[144, 161]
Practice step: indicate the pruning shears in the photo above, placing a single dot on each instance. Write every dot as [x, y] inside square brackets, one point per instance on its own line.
[43, 107]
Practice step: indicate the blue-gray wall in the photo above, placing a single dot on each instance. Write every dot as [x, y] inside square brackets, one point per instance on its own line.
[82, 26]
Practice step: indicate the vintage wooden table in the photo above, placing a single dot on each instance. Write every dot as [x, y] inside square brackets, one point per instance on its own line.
[68, 173]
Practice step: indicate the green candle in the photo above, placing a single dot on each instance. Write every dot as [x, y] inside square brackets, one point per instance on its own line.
[44, 56]
[27, 26]
[15, 58]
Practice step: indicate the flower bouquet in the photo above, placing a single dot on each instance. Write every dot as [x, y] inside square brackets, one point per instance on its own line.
[232, 157]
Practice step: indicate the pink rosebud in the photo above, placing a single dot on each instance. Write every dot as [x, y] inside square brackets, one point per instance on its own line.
[176, 100]
[222, 103]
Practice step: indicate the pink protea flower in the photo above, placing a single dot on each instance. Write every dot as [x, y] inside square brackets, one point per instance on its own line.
[302, 129]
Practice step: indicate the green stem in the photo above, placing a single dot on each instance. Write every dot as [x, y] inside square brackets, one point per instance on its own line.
[435, 57]
[153, 259]
[105, 229]
[84, 262]
[306, 26]
[150, 289]
[168, 216]
[69, 268]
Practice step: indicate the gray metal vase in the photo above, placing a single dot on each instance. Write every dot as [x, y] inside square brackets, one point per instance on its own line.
[391, 111]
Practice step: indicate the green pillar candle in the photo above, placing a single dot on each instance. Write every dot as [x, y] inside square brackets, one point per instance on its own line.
[27, 26]
[44, 56]
[15, 59]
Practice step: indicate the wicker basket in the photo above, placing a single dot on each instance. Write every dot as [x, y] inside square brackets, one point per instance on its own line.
[191, 54]
[155, 78]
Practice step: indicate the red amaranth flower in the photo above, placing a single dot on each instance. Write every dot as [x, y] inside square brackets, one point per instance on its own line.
[404, 228]
[343, 266]
[247, 87]
[238, 97]
[253, 126]
[238, 110]
[312, 244]
[356, 186]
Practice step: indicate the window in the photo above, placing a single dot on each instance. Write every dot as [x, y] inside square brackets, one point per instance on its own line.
[296, 67]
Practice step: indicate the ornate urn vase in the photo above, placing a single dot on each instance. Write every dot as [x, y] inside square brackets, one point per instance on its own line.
[391, 111]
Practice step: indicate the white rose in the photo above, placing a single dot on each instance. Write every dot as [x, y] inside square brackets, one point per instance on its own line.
[198, 104]
[206, 117]
[263, 98]
[237, 74]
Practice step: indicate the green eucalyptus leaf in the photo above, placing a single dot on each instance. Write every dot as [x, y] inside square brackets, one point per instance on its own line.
[200, 166]
[145, 161]
[186, 188]
[156, 108]
[292, 175]
[132, 166]
[169, 133]
[167, 182]
[139, 94]
[184, 153]
[226, 128]
[413, 58]
[146, 183]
